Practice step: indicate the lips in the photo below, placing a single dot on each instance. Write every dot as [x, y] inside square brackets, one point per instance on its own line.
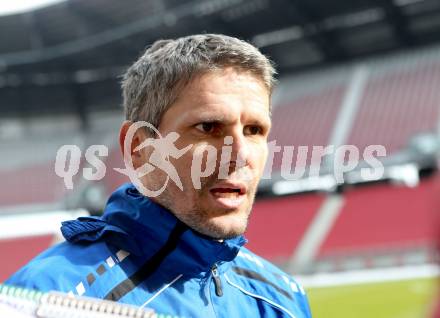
[228, 195]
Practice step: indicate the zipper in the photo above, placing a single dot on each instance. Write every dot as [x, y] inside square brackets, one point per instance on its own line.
[217, 281]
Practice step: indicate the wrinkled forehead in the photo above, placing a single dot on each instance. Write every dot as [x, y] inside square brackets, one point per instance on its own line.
[221, 83]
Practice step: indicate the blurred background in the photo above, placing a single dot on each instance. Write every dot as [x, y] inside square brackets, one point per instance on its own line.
[360, 72]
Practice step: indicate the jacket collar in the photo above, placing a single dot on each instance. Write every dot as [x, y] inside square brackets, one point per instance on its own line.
[136, 224]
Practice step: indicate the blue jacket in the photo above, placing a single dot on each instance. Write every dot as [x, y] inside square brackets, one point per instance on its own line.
[139, 253]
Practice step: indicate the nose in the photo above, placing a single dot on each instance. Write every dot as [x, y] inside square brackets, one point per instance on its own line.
[240, 149]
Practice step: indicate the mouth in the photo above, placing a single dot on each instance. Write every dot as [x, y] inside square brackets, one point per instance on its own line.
[228, 195]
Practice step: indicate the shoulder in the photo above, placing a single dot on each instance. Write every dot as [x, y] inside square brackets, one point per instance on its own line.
[59, 267]
[263, 277]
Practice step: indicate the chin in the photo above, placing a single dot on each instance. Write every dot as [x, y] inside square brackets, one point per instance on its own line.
[212, 221]
[225, 226]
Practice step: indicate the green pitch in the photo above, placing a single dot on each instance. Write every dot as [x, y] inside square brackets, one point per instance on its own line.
[402, 299]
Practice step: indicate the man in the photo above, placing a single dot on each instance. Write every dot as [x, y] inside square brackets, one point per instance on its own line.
[181, 251]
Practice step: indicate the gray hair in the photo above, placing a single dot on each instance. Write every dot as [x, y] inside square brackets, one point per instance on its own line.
[153, 83]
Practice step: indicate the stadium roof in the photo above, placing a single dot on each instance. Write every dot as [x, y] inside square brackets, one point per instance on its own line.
[21, 6]
[75, 49]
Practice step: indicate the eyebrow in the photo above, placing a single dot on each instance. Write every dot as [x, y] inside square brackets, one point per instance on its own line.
[210, 118]
[223, 119]
[198, 116]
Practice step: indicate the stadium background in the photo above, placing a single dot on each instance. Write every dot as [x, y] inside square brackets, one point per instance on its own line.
[357, 72]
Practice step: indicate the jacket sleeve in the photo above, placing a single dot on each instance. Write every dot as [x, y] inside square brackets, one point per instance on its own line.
[35, 275]
[306, 306]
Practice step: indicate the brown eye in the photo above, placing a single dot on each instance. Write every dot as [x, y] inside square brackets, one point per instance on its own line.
[253, 130]
[211, 128]
[206, 127]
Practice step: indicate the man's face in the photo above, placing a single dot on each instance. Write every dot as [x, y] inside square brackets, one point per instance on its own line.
[215, 105]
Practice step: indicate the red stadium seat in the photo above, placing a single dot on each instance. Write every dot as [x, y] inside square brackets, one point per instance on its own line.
[16, 252]
[384, 217]
[277, 225]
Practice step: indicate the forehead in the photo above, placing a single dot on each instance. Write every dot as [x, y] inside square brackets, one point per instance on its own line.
[226, 81]
[223, 93]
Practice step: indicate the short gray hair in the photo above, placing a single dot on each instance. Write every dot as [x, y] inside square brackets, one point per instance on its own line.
[152, 84]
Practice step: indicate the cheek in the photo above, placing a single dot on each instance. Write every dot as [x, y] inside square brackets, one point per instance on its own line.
[204, 158]
[183, 166]
[259, 156]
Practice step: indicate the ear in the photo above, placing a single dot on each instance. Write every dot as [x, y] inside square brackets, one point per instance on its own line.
[138, 157]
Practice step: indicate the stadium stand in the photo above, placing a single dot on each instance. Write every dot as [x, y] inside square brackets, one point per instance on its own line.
[349, 73]
[25, 185]
[29, 167]
[20, 251]
[399, 101]
[305, 121]
[277, 224]
[384, 217]
[396, 106]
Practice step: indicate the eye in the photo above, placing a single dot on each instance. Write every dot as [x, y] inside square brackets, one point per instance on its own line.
[253, 130]
[207, 127]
